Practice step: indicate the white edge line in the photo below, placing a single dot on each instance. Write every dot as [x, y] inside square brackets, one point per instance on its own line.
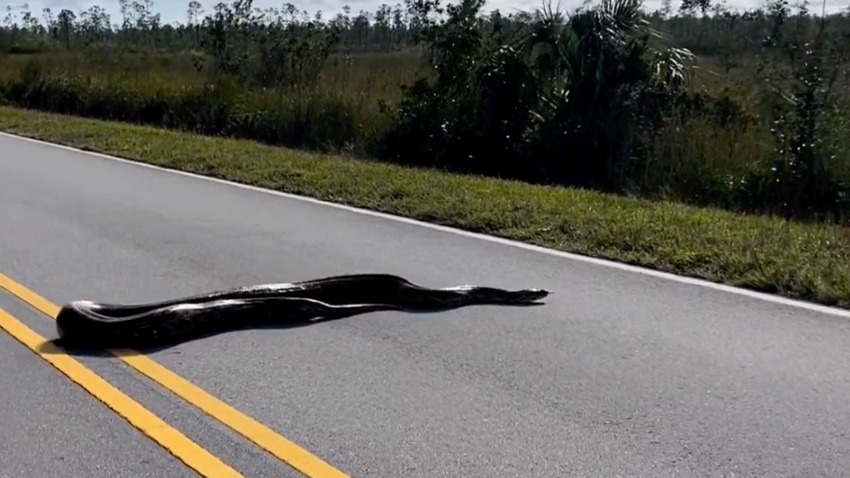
[484, 237]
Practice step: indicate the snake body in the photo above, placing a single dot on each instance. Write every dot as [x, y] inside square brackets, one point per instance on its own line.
[87, 323]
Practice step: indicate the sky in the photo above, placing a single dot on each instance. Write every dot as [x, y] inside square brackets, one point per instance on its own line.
[176, 10]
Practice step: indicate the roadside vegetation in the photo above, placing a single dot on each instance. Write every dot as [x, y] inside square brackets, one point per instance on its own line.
[596, 131]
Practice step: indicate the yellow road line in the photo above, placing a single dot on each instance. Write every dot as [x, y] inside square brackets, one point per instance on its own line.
[287, 451]
[184, 449]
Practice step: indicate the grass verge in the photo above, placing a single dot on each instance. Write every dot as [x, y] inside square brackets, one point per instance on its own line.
[805, 261]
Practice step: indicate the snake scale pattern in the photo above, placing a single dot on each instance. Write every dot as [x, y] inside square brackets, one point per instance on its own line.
[92, 324]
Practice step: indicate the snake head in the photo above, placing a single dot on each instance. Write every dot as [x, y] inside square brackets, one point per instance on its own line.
[525, 296]
[474, 294]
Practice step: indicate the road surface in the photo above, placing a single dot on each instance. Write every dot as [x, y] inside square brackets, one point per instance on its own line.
[619, 374]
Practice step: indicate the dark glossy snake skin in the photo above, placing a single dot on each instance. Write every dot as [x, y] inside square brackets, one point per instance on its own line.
[92, 324]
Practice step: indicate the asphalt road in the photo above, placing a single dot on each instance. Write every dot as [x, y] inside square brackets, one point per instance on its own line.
[619, 374]
[51, 427]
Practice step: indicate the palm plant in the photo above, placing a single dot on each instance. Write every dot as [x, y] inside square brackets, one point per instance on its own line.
[553, 99]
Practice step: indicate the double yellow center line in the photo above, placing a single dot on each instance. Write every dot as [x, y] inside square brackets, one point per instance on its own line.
[166, 436]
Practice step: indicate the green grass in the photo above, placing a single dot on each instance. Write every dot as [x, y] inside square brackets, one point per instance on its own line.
[805, 261]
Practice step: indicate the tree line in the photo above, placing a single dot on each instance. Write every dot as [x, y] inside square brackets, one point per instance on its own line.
[703, 28]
